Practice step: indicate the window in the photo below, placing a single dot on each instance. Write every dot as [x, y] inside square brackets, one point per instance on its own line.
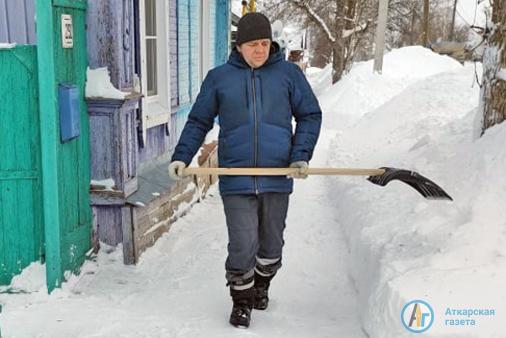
[155, 68]
[151, 37]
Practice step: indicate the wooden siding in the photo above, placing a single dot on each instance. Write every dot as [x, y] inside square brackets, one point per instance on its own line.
[113, 142]
[107, 223]
[180, 121]
[139, 226]
[184, 51]
[157, 144]
[212, 34]
[110, 40]
[17, 21]
[222, 30]
[194, 70]
[173, 49]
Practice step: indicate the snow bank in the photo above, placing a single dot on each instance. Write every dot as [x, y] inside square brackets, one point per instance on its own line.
[403, 247]
[31, 279]
[360, 91]
[321, 79]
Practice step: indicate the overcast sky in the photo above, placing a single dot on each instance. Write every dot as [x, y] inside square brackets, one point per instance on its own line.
[466, 10]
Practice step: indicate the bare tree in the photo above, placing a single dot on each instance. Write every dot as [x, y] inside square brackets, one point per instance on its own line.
[343, 30]
[406, 22]
[494, 70]
[341, 24]
[426, 18]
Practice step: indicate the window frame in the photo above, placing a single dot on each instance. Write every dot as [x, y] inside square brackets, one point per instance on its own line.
[156, 109]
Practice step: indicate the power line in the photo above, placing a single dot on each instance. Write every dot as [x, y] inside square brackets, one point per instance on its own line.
[463, 19]
[474, 15]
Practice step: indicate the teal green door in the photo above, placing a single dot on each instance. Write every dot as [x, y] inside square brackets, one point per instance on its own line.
[65, 165]
[73, 162]
[20, 177]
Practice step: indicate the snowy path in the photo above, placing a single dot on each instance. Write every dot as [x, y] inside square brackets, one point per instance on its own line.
[178, 289]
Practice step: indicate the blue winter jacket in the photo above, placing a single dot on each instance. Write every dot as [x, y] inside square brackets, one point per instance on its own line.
[255, 109]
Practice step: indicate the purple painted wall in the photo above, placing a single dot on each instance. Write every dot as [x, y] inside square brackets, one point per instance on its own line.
[110, 39]
[157, 144]
[113, 143]
[107, 223]
[17, 21]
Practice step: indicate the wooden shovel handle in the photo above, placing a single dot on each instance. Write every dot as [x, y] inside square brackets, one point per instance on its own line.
[281, 171]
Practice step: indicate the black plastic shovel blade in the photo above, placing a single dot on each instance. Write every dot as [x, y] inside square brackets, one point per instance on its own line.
[423, 185]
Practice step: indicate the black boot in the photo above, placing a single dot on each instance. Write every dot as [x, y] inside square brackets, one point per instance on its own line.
[262, 284]
[243, 304]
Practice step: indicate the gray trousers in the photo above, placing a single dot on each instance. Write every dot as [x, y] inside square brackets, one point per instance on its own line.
[255, 235]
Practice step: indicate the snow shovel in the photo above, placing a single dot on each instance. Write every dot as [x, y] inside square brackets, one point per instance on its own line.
[381, 176]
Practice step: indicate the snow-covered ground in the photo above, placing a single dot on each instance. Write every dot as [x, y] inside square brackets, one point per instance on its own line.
[178, 288]
[420, 115]
[355, 253]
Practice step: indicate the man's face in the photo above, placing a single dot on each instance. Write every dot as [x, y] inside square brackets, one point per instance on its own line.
[255, 52]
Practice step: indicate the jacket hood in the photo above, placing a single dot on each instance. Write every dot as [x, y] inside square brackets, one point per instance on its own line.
[275, 55]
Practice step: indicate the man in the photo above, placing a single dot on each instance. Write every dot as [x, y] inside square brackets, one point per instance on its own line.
[255, 94]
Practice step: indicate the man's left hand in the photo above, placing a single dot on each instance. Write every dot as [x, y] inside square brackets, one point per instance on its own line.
[302, 172]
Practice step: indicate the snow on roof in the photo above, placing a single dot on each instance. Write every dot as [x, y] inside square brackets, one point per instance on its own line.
[293, 36]
[98, 84]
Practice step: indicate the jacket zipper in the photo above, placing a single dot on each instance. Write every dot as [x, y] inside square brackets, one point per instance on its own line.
[256, 127]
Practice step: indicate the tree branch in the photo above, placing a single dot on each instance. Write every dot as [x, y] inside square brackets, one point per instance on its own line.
[356, 29]
[303, 4]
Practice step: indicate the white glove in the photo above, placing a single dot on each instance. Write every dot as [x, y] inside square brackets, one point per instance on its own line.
[176, 169]
[303, 166]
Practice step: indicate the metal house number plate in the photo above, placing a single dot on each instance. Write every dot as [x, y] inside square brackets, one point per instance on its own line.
[67, 31]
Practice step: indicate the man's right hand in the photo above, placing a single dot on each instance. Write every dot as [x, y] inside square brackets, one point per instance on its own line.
[176, 169]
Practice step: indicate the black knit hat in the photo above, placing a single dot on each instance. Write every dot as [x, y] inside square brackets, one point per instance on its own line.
[253, 26]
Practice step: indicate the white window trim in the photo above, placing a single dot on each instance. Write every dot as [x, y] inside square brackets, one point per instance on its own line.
[205, 34]
[156, 109]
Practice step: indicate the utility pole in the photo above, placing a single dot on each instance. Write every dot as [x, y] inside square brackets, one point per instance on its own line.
[380, 36]
[453, 20]
[425, 23]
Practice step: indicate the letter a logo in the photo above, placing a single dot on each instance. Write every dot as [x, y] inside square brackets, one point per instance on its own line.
[417, 316]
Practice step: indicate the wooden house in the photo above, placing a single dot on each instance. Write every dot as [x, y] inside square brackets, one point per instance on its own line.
[159, 51]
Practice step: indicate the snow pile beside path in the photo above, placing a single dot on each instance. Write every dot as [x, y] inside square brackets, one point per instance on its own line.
[31, 279]
[320, 79]
[450, 254]
[361, 91]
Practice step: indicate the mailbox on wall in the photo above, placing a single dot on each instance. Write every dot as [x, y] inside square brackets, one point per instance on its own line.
[68, 101]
